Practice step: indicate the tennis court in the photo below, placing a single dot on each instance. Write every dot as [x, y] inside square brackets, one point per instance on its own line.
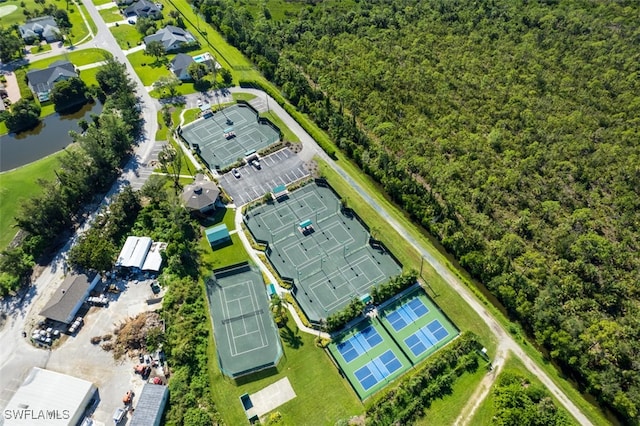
[228, 135]
[246, 337]
[329, 259]
[368, 357]
[416, 324]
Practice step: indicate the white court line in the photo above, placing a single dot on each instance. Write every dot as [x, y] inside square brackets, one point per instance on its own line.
[261, 326]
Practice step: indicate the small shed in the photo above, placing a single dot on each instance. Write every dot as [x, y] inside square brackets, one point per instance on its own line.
[217, 235]
[279, 191]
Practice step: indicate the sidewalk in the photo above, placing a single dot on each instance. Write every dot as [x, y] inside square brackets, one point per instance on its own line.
[281, 291]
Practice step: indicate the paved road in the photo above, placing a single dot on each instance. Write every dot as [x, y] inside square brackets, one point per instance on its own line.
[311, 148]
[17, 356]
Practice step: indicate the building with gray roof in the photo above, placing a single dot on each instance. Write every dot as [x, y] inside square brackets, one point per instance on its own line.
[150, 407]
[172, 38]
[143, 9]
[69, 297]
[41, 82]
[42, 28]
[200, 195]
[180, 66]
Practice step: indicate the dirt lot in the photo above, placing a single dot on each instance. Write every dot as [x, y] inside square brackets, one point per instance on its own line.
[77, 356]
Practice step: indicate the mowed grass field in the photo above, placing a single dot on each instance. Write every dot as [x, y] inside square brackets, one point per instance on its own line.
[149, 70]
[17, 186]
[77, 58]
[126, 35]
[111, 15]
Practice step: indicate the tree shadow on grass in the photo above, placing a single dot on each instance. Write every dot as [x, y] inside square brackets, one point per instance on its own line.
[291, 338]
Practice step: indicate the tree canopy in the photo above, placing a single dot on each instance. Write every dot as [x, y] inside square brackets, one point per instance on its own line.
[507, 129]
[67, 93]
[10, 44]
[24, 115]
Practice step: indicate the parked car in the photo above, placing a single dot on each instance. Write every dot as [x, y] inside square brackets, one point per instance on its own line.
[118, 415]
[256, 164]
[236, 173]
[131, 22]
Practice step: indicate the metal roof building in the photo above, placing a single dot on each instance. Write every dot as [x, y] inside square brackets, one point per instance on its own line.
[134, 252]
[69, 297]
[153, 261]
[150, 407]
[50, 398]
[217, 234]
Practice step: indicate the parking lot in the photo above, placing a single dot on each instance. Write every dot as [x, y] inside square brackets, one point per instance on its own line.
[280, 168]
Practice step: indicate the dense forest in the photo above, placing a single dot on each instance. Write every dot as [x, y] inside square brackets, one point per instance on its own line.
[508, 129]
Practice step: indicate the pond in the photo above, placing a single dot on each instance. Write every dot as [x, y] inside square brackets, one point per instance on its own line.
[50, 136]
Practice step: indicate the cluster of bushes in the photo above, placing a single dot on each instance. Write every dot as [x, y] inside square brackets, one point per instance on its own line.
[394, 286]
[518, 402]
[84, 171]
[339, 319]
[406, 402]
[97, 248]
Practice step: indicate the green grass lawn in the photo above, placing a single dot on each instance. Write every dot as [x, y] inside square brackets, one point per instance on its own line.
[78, 58]
[111, 15]
[322, 396]
[3, 128]
[89, 76]
[445, 411]
[18, 185]
[126, 35]
[486, 411]
[92, 24]
[161, 134]
[288, 134]
[229, 254]
[190, 115]
[47, 109]
[40, 48]
[148, 69]
[243, 96]
[78, 29]
[101, 2]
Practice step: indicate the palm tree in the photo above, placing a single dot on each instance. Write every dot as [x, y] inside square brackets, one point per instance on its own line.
[279, 310]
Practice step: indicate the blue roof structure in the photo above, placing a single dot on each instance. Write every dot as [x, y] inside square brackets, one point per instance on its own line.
[217, 234]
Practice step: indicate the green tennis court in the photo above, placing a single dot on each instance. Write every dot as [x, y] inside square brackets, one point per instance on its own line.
[228, 135]
[330, 261]
[246, 337]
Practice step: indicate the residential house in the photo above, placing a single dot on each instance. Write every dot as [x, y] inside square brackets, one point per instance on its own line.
[42, 28]
[143, 9]
[201, 195]
[180, 65]
[41, 82]
[172, 38]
